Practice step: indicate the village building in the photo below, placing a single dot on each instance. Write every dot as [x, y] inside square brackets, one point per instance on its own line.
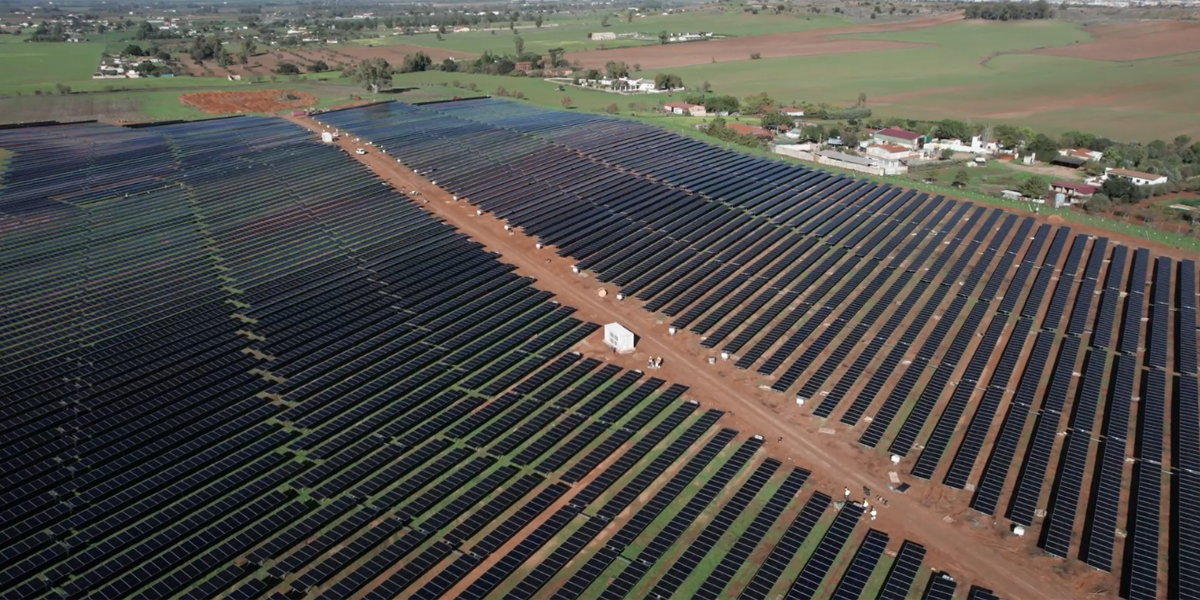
[899, 137]
[684, 108]
[1072, 189]
[1138, 178]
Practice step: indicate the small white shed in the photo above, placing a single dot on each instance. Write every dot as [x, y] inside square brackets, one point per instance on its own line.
[327, 137]
[618, 338]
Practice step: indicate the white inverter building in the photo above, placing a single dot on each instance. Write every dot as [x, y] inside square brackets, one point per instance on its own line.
[618, 338]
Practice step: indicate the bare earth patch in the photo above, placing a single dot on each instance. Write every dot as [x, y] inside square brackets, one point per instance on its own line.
[776, 45]
[258, 101]
[1133, 41]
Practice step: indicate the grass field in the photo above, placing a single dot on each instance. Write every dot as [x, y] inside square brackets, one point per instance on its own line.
[47, 64]
[570, 32]
[975, 71]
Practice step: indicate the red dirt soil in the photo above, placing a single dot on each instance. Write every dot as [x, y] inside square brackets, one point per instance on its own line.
[1134, 41]
[967, 545]
[776, 45]
[258, 101]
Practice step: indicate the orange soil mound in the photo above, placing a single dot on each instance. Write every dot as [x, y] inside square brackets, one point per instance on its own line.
[247, 102]
[1134, 41]
[776, 45]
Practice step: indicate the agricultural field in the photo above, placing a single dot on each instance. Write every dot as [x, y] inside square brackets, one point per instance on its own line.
[570, 32]
[24, 66]
[983, 71]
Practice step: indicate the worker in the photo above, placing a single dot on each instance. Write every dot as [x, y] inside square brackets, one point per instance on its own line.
[873, 514]
[847, 494]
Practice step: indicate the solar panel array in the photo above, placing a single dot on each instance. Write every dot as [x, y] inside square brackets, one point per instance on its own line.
[237, 365]
[790, 271]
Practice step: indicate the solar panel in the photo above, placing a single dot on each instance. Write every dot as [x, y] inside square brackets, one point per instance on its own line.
[815, 569]
[903, 572]
[740, 552]
[854, 580]
[941, 587]
[683, 566]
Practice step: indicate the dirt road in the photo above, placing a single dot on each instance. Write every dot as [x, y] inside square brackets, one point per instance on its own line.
[980, 555]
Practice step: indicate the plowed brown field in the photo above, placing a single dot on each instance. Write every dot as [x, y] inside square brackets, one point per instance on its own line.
[776, 45]
[258, 101]
[1134, 41]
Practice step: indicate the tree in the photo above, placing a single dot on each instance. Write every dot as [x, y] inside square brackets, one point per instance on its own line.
[947, 154]
[538, 20]
[850, 138]
[519, 45]
[961, 178]
[565, 101]
[705, 87]
[629, 16]
[416, 63]
[616, 69]
[63, 89]
[318, 67]
[1043, 148]
[755, 104]
[862, 96]
[721, 104]
[667, 81]
[448, 65]
[1121, 189]
[248, 49]
[775, 119]
[373, 73]
[134, 50]
[637, 67]
[1181, 143]
[287, 68]
[815, 133]
[612, 108]
[604, 21]
[663, 37]
[1035, 187]
[949, 128]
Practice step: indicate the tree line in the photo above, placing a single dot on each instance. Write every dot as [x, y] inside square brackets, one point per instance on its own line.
[1009, 11]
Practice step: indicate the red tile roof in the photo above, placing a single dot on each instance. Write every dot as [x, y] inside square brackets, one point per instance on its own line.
[896, 132]
[743, 129]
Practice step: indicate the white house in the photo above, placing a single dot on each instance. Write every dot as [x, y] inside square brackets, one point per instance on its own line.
[977, 145]
[890, 152]
[683, 108]
[1137, 177]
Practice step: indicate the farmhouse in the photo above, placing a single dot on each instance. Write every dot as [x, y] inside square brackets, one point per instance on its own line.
[1073, 189]
[899, 137]
[893, 152]
[1137, 177]
[683, 108]
[1083, 153]
[977, 145]
[743, 129]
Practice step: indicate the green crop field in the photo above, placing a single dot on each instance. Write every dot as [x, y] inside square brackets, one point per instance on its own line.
[980, 71]
[570, 32]
[24, 64]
